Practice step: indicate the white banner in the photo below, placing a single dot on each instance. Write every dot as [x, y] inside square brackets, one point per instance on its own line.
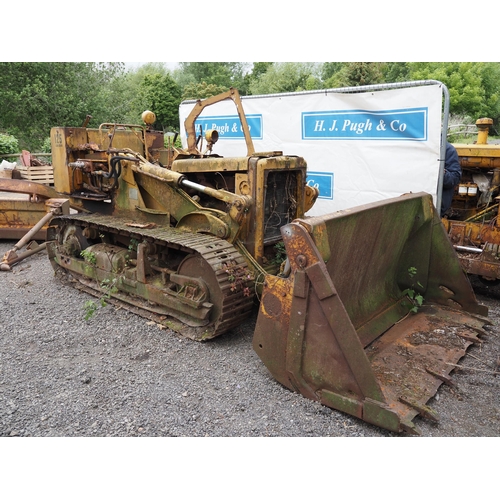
[359, 147]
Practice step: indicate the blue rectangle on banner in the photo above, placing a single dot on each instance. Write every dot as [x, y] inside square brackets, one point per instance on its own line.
[323, 181]
[398, 124]
[229, 127]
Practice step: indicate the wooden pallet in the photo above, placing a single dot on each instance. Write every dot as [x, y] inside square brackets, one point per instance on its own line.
[43, 174]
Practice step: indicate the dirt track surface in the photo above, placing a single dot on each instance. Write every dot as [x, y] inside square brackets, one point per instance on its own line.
[120, 375]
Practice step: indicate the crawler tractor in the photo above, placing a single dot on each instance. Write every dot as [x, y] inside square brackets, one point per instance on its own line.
[365, 310]
[179, 233]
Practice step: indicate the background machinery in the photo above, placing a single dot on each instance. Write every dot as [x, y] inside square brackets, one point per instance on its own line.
[363, 318]
[472, 223]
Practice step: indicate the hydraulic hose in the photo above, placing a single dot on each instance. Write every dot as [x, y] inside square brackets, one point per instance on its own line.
[116, 169]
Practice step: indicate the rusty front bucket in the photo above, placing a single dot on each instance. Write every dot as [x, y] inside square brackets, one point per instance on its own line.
[374, 314]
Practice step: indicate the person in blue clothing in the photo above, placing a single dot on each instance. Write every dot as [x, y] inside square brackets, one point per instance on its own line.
[452, 175]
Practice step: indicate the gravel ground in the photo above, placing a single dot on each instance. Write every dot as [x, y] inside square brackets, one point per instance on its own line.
[120, 375]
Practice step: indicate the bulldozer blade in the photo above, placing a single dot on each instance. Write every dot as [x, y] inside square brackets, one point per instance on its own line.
[374, 313]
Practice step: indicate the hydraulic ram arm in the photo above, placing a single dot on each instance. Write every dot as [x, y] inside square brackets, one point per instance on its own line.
[178, 180]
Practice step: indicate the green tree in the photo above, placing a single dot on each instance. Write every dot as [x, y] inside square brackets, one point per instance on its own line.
[162, 95]
[37, 96]
[396, 72]
[490, 76]
[9, 145]
[222, 74]
[201, 90]
[474, 87]
[329, 69]
[258, 69]
[130, 101]
[287, 77]
[354, 74]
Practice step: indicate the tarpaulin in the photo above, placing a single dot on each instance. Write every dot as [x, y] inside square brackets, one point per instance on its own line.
[360, 147]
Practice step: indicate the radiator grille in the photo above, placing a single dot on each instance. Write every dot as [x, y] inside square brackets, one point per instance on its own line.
[281, 203]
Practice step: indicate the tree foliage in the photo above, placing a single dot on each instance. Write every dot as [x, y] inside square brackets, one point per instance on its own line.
[258, 69]
[202, 90]
[473, 86]
[396, 72]
[162, 95]
[37, 96]
[9, 145]
[355, 74]
[222, 74]
[329, 69]
[287, 77]
[130, 101]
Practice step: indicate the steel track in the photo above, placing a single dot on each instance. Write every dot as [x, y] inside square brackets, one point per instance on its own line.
[236, 305]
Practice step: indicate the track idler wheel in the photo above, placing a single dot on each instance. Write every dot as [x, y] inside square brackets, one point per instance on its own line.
[198, 268]
[72, 241]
